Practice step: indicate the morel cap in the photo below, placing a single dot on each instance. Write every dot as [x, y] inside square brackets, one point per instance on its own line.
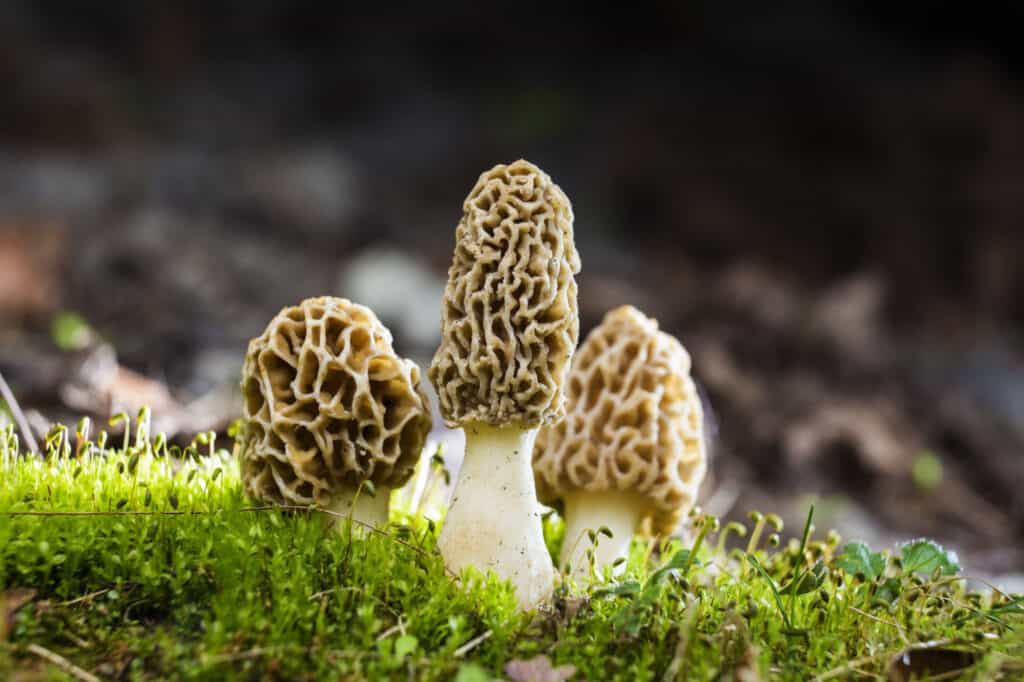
[328, 405]
[509, 322]
[634, 422]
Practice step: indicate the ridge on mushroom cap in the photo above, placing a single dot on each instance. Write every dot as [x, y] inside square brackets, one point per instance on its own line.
[634, 421]
[327, 405]
[509, 322]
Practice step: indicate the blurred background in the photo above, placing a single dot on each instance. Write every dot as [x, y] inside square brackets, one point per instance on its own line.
[821, 200]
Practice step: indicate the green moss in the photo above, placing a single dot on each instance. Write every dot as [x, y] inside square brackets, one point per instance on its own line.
[178, 576]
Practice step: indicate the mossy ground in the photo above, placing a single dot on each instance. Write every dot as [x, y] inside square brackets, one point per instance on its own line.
[173, 575]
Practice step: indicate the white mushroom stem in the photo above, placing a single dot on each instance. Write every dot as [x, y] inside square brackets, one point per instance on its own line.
[589, 511]
[364, 509]
[494, 521]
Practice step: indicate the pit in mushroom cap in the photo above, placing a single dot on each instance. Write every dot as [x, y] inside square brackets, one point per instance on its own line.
[508, 331]
[634, 424]
[328, 405]
[509, 323]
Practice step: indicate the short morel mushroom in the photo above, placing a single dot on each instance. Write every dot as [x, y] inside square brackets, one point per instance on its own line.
[509, 328]
[630, 453]
[329, 406]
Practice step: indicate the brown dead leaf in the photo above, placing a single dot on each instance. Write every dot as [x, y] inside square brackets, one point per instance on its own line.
[739, 655]
[98, 385]
[10, 602]
[538, 669]
[30, 258]
[918, 664]
[573, 606]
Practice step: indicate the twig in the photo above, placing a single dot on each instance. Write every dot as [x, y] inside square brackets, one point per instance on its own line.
[398, 627]
[891, 624]
[258, 652]
[686, 629]
[853, 665]
[867, 674]
[472, 644]
[951, 675]
[858, 662]
[19, 416]
[85, 597]
[62, 663]
[76, 640]
[120, 513]
[324, 593]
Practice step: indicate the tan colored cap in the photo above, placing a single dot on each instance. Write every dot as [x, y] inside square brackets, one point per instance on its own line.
[634, 423]
[328, 405]
[510, 323]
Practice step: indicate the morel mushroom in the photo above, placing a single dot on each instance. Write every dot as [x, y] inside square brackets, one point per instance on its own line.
[328, 407]
[509, 327]
[631, 450]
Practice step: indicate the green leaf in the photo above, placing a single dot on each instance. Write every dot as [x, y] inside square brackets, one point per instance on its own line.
[471, 672]
[807, 581]
[405, 645]
[924, 556]
[774, 588]
[624, 588]
[1013, 606]
[858, 558]
[887, 592]
[679, 561]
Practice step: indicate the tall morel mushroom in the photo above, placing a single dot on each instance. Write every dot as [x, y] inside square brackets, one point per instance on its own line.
[509, 327]
[328, 407]
[630, 452]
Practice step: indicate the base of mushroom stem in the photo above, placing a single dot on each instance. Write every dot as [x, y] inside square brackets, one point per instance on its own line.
[494, 521]
[589, 511]
[364, 510]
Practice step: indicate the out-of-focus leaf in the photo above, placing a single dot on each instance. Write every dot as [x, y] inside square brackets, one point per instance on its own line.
[471, 672]
[887, 592]
[70, 332]
[538, 669]
[405, 645]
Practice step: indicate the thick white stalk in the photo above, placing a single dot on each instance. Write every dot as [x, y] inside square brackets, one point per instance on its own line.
[494, 521]
[586, 511]
[371, 511]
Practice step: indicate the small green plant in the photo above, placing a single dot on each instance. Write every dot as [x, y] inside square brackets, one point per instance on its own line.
[139, 560]
[70, 331]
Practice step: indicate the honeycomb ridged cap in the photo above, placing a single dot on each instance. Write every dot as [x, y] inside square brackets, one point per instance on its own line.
[328, 405]
[509, 322]
[634, 422]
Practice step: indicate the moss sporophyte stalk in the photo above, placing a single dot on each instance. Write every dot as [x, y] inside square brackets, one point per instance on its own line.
[137, 562]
